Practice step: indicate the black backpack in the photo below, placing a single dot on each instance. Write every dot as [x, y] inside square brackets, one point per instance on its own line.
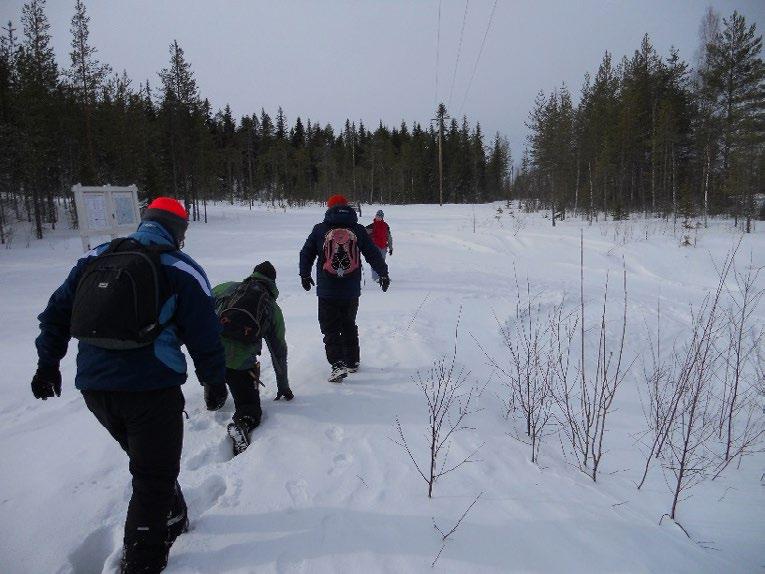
[119, 296]
[242, 314]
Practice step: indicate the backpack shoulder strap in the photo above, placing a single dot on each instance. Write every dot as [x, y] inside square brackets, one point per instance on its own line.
[159, 249]
[121, 244]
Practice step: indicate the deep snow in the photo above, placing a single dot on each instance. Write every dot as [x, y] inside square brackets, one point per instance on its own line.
[323, 488]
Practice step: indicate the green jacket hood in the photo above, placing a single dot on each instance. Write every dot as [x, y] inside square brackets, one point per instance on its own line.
[269, 283]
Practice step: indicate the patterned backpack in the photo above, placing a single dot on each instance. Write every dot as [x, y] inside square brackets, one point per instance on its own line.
[242, 314]
[341, 253]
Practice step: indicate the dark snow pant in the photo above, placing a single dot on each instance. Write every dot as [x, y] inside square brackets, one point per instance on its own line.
[384, 252]
[148, 425]
[337, 320]
[245, 390]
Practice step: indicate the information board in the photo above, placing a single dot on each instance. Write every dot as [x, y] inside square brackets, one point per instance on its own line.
[95, 208]
[105, 211]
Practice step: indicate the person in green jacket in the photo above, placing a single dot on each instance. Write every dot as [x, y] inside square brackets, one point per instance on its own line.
[248, 313]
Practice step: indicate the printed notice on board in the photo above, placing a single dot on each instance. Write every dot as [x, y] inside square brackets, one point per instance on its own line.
[124, 208]
[95, 206]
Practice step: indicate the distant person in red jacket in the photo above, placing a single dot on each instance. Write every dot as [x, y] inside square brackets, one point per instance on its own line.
[379, 231]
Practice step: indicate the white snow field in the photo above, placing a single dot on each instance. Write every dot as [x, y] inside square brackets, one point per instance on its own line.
[323, 487]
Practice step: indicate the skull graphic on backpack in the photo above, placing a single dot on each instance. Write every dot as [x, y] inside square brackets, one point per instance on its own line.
[341, 252]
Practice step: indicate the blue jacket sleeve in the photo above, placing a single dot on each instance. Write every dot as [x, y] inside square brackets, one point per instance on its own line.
[199, 329]
[56, 319]
[308, 253]
[371, 253]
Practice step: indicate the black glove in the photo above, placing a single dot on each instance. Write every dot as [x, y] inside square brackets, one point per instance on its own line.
[215, 396]
[307, 282]
[286, 393]
[46, 382]
[390, 251]
[384, 283]
[255, 374]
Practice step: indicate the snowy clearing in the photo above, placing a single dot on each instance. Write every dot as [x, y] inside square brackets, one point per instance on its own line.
[323, 488]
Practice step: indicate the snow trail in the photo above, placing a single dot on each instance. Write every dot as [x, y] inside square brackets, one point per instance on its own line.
[323, 488]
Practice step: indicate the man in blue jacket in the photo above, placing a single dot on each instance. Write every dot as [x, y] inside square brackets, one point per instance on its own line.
[335, 245]
[135, 392]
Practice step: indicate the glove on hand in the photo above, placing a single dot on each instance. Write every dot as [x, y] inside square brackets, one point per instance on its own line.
[307, 282]
[287, 394]
[215, 396]
[46, 383]
[390, 251]
[255, 374]
[384, 283]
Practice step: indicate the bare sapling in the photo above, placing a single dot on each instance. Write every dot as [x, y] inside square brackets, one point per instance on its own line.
[741, 426]
[531, 341]
[688, 458]
[662, 397]
[758, 361]
[448, 405]
[445, 535]
[585, 400]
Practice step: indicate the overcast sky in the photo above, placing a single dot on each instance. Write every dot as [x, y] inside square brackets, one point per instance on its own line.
[376, 60]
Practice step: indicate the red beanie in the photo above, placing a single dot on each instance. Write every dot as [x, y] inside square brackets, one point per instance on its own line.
[336, 200]
[169, 204]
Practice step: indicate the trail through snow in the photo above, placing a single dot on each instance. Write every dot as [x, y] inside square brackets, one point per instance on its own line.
[323, 488]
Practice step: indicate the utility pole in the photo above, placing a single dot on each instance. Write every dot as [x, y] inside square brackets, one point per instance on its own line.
[353, 155]
[441, 115]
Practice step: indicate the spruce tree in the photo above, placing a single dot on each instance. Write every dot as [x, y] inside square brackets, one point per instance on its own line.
[38, 84]
[735, 79]
[85, 76]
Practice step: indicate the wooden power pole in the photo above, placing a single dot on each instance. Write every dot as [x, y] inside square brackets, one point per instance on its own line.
[441, 115]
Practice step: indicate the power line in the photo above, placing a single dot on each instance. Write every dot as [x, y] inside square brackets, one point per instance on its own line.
[478, 59]
[438, 51]
[459, 51]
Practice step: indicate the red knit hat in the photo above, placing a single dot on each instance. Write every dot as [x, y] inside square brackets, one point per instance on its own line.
[336, 200]
[171, 215]
[169, 204]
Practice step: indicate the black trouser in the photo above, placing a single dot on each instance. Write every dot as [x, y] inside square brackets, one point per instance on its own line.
[337, 319]
[149, 427]
[246, 392]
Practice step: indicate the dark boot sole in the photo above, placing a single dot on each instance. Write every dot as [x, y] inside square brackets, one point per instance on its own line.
[338, 379]
[239, 438]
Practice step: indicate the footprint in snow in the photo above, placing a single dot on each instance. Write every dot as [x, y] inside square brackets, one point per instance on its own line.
[340, 463]
[202, 498]
[335, 434]
[199, 423]
[286, 563]
[211, 454]
[93, 552]
[298, 491]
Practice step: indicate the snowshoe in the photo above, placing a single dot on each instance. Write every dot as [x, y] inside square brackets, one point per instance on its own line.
[339, 372]
[239, 431]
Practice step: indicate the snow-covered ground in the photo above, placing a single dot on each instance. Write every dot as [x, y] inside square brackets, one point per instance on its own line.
[323, 488]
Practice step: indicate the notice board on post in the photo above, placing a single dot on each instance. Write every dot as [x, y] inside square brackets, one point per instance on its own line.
[106, 210]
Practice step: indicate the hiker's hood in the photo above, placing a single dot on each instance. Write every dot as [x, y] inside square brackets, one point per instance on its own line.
[269, 283]
[341, 215]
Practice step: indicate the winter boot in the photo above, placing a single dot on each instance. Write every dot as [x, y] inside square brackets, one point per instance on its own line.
[353, 368]
[177, 518]
[140, 558]
[339, 372]
[239, 431]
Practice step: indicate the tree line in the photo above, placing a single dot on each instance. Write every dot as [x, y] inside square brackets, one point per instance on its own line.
[651, 134]
[86, 124]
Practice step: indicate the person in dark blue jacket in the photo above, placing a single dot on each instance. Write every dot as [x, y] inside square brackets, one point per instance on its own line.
[337, 290]
[135, 394]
